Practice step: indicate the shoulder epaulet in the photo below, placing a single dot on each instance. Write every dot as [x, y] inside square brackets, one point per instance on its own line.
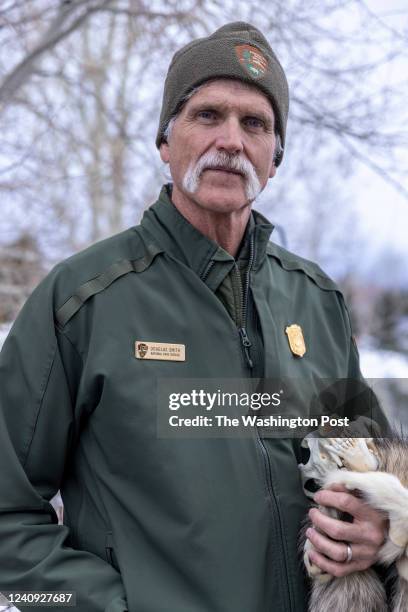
[291, 262]
[122, 261]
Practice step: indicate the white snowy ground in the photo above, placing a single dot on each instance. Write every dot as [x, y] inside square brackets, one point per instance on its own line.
[377, 363]
[387, 374]
[4, 330]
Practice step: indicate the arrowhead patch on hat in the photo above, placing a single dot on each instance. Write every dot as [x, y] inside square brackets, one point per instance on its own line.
[252, 60]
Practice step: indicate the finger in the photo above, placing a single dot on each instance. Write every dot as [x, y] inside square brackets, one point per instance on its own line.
[337, 551]
[334, 528]
[365, 512]
[336, 569]
[336, 486]
[369, 524]
[345, 502]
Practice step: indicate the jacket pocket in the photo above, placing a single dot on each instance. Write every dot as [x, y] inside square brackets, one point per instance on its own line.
[110, 551]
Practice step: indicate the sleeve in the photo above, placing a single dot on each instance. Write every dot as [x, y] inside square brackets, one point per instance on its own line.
[37, 425]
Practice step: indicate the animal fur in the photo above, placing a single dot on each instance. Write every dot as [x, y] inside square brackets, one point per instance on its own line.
[385, 489]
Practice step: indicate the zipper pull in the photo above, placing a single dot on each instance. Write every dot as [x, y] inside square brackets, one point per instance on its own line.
[246, 343]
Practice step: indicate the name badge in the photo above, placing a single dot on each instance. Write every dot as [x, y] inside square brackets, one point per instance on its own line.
[163, 351]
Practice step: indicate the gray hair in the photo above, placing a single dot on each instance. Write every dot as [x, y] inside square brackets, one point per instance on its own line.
[278, 152]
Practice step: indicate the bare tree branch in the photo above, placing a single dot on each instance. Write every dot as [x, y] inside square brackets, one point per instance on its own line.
[370, 163]
[59, 29]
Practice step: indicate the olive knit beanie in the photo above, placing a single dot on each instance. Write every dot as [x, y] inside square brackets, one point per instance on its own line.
[237, 51]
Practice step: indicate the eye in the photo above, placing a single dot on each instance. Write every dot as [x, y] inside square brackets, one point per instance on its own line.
[207, 115]
[254, 123]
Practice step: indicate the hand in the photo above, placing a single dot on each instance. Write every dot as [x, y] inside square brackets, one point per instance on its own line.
[365, 534]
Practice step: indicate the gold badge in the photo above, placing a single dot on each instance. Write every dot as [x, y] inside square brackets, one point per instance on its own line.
[163, 351]
[296, 340]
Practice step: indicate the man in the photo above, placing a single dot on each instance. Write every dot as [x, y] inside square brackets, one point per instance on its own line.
[196, 291]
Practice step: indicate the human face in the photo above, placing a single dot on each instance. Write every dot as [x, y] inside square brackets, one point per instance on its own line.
[221, 148]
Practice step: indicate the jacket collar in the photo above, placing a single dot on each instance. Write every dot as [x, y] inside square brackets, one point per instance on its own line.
[173, 233]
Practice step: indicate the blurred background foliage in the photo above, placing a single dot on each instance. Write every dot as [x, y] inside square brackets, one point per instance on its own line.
[80, 95]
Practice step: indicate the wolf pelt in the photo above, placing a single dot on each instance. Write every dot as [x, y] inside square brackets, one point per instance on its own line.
[385, 488]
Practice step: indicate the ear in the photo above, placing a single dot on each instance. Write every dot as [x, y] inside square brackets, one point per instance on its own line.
[272, 170]
[164, 152]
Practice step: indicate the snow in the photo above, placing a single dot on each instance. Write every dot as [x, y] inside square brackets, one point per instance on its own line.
[4, 330]
[376, 363]
[7, 608]
[387, 374]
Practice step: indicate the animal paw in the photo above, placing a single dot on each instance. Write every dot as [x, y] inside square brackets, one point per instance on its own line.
[398, 532]
[355, 453]
[344, 478]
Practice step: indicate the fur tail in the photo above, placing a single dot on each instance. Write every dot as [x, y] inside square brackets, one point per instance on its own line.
[358, 592]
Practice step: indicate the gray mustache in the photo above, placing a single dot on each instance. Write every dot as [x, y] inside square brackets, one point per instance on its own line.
[225, 162]
[220, 160]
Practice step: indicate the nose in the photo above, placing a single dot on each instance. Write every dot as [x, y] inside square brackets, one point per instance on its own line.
[229, 137]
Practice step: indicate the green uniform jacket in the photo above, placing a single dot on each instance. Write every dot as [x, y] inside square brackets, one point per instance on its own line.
[158, 525]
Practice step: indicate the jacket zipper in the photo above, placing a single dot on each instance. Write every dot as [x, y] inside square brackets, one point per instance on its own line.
[246, 345]
[277, 515]
[243, 302]
[242, 318]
